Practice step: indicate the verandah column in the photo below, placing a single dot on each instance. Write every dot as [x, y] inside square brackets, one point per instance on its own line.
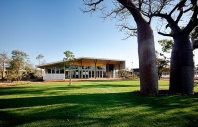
[81, 70]
[64, 70]
[98, 73]
[95, 61]
[119, 70]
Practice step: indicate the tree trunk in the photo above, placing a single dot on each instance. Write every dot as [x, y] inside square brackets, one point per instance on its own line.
[147, 59]
[182, 66]
[70, 80]
[146, 51]
[159, 75]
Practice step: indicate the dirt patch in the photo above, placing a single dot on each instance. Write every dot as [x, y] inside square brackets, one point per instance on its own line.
[6, 84]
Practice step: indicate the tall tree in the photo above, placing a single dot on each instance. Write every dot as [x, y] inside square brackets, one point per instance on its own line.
[39, 58]
[3, 61]
[141, 11]
[69, 59]
[17, 64]
[182, 65]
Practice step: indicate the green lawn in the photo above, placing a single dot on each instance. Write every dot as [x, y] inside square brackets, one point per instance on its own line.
[94, 103]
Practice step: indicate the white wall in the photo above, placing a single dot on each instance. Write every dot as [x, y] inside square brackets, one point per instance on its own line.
[53, 76]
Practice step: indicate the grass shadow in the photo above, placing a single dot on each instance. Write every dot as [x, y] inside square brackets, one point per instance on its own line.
[105, 109]
[57, 104]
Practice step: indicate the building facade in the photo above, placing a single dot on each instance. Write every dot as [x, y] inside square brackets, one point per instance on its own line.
[83, 67]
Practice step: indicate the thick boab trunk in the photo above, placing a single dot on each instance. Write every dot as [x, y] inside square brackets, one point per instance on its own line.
[146, 51]
[147, 60]
[182, 66]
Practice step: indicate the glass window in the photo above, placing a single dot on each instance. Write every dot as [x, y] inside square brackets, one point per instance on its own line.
[61, 71]
[74, 67]
[99, 67]
[53, 71]
[49, 71]
[57, 71]
[84, 67]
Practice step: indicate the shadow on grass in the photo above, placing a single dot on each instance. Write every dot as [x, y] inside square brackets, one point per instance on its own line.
[105, 109]
[36, 90]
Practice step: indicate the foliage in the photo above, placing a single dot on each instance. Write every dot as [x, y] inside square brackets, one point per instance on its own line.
[18, 67]
[94, 104]
[39, 58]
[17, 64]
[3, 62]
[30, 71]
[166, 45]
[196, 67]
[124, 72]
[162, 61]
[194, 38]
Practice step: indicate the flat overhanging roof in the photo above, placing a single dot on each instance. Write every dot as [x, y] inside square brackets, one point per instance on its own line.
[86, 61]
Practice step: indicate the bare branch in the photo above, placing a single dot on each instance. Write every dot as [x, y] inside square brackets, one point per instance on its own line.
[179, 6]
[130, 34]
[193, 22]
[188, 9]
[179, 16]
[92, 5]
[170, 35]
[140, 4]
[126, 27]
[116, 11]
[173, 25]
[129, 31]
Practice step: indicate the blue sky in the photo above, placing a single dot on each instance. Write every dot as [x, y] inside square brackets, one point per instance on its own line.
[50, 27]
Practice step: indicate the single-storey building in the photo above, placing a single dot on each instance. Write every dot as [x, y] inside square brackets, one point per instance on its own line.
[83, 67]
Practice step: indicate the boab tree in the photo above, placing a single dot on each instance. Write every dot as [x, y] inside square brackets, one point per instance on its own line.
[182, 65]
[141, 11]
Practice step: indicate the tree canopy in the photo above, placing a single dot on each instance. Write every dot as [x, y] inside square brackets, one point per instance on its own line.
[17, 65]
[119, 9]
[39, 57]
[162, 60]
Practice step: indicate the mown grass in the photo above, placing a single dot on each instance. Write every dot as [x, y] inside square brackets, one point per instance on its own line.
[94, 103]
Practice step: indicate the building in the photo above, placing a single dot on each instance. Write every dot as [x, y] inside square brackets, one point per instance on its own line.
[83, 67]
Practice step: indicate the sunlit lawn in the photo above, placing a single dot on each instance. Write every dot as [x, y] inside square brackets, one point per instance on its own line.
[94, 103]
